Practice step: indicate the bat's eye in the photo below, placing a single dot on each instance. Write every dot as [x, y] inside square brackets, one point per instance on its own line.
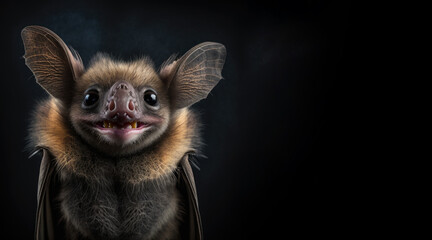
[150, 98]
[91, 98]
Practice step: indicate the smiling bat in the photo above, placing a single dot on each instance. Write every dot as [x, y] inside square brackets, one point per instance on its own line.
[117, 139]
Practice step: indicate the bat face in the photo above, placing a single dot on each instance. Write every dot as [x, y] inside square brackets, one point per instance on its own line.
[120, 108]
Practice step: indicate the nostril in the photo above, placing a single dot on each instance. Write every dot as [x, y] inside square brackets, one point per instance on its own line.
[112, 105]
[123, 86]
[131, 105]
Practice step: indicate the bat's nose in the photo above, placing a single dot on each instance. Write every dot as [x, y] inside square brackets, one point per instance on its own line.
[121, 104]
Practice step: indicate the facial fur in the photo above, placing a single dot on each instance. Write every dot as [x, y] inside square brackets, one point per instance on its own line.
[96, 124]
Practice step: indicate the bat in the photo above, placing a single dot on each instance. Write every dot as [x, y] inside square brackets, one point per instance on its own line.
[116, 140]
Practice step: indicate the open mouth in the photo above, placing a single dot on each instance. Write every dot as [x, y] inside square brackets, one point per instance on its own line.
[127, 125]
[120, 132]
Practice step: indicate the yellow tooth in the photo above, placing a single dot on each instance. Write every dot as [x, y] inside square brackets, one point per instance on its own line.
[134, 124]
[105, 124]
[110, 125]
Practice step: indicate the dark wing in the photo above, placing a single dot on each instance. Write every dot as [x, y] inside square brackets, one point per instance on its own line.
[191, 226]
[47, 214]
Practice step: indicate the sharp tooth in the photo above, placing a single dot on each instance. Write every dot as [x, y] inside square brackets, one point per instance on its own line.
[110, 125]
[129, 126]
[105, 124]
[134, 124]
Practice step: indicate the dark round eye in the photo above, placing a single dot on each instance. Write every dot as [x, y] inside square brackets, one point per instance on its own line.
[150, 98]
[91, 98]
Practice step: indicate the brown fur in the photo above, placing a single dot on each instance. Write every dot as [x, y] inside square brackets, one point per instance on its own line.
[52, 131]
[105, 71]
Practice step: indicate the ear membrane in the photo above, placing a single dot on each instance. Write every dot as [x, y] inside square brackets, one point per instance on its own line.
[195, 74]
[54, 66]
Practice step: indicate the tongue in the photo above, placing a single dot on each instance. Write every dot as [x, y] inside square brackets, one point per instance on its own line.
[124, 126]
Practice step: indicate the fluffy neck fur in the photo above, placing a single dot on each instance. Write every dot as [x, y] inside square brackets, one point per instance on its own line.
[52, 131]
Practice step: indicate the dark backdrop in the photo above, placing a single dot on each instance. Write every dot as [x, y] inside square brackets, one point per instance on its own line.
[275, 128]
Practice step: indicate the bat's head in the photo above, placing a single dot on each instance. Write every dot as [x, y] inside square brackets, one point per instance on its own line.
[120, 107]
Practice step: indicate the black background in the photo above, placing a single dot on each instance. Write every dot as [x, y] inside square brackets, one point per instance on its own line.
[276, 127]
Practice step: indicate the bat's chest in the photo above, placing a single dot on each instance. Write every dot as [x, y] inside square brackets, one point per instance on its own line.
[111, 209]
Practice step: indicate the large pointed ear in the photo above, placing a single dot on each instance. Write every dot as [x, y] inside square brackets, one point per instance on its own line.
[195, 74]
[53, 64]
